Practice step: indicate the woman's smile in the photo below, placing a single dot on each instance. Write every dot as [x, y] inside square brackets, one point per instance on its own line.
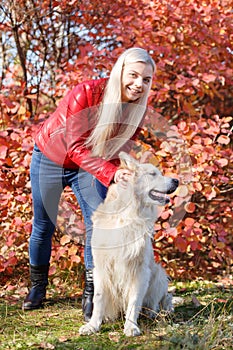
[136, 80]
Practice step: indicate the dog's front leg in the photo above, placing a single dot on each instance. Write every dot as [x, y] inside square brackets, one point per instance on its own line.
[135, 301]
[95, 322]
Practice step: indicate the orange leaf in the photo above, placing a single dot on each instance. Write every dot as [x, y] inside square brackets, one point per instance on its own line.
[65, 239]
[165, 215]
[72, 250]
[220, 245]
[76, 259]
[31, 96]
[223, 139]
[189, 221]
[8, 161]
[197, 186]
[190, 207]
[165, 225]
[209, 192]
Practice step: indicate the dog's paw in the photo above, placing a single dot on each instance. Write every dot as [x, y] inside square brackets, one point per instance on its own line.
[167, 303]
[87, 329]
[151, 314]
[131, 330]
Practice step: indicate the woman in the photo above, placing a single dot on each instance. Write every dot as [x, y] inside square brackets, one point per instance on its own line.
[78, 146]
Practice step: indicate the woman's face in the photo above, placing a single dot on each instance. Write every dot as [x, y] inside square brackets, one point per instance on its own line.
[135, 81]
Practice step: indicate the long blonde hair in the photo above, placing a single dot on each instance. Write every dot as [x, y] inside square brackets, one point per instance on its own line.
[112, 131]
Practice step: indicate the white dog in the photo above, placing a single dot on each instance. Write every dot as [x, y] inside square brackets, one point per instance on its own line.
[126, 277]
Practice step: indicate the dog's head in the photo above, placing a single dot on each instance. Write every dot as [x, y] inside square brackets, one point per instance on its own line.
[150, 185]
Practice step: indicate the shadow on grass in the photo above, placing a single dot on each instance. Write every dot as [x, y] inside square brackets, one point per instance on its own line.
[56, 326]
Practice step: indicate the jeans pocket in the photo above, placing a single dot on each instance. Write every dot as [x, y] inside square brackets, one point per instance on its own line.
[36, 150]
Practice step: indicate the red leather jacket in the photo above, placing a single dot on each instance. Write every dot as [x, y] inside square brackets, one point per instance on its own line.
[61, 137]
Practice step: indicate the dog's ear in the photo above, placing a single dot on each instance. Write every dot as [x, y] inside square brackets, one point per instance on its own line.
[127, 161]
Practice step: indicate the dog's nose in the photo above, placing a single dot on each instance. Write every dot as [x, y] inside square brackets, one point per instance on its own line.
[174, 185]
[176, 182]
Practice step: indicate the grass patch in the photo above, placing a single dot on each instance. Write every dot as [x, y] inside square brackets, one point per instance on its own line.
[203, 319]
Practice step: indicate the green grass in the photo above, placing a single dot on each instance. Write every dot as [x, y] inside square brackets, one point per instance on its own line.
[203, 320]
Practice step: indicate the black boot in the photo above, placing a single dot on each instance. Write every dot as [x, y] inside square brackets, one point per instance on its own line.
[39, 281]
[87, 298]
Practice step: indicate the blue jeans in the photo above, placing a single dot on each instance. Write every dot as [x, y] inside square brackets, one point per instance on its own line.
[48, 181]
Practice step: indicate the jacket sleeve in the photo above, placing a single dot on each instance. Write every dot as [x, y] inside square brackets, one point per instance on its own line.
[81, 118]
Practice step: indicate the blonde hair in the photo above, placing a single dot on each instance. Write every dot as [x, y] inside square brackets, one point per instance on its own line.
[112, 131]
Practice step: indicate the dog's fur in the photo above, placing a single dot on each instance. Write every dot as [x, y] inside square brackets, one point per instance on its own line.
[126, 278]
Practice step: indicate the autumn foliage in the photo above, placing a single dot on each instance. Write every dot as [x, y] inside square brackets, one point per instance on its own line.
[48, 47]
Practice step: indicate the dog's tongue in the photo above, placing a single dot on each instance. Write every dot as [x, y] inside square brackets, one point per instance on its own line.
[160, 197]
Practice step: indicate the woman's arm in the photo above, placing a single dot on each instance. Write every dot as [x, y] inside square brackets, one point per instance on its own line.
[81, 119]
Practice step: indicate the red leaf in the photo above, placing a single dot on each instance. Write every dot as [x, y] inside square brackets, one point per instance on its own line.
[194, 245]
[208, 78]
[28, 227]
[221, 300]
[180, 84]
[172, 232]
[52, 270]
[8, 102]
[17, 221]
[195, 82]
[181, 244]
[12, 261]
[3, 152]
[221, 162]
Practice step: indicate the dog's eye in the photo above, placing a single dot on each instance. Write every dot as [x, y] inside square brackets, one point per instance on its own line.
[153, 173]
